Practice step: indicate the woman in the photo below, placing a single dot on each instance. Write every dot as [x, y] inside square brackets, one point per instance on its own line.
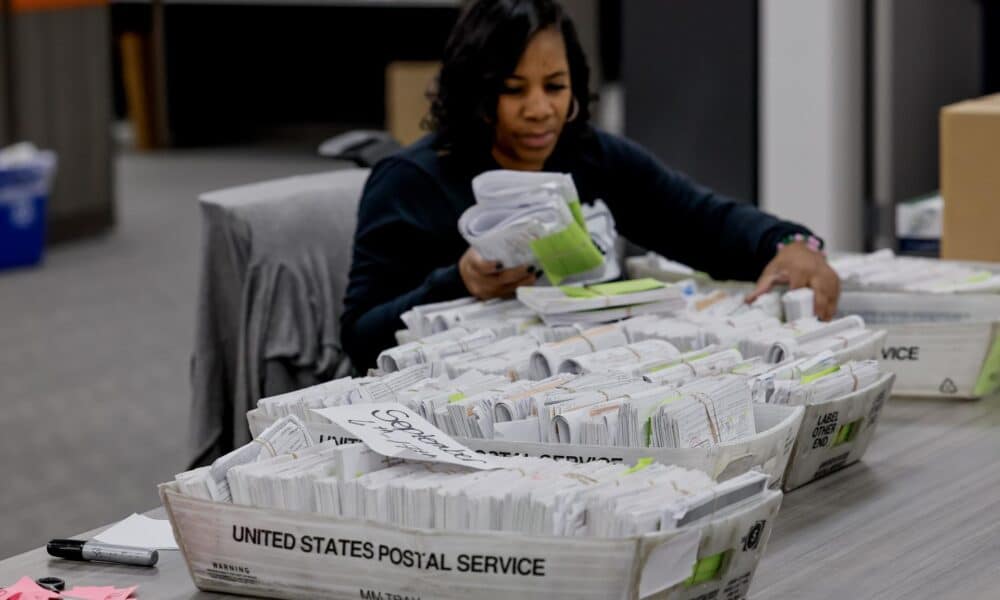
[513, 93]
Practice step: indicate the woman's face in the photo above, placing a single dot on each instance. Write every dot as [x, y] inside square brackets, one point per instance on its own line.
[533, 104]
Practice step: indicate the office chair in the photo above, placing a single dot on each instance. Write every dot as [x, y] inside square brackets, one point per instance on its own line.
[364, 147]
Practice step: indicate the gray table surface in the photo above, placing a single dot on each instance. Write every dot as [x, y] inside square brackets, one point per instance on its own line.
[918, 518]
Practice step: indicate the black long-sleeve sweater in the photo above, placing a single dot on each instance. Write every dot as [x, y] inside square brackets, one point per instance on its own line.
[407, 245]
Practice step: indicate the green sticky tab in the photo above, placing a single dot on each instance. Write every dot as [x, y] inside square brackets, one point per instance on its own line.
[578, 291]
[630, 286]
[977, 277]
[456, 397]
[640, 465]
[989, 375]
[611, 289]
[706, 569]
[842, 431]
[566, 253]
[806, 379]
[577, 211]
[648, 425]
[662, 367]
[847, 432]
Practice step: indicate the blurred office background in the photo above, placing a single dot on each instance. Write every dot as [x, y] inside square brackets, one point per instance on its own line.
[823, 111]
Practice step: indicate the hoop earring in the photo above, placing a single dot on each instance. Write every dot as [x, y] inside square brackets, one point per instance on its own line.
[574, 111]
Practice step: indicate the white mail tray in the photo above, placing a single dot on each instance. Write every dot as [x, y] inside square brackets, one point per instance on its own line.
[281, 554]
[767, 451]
[837, 433]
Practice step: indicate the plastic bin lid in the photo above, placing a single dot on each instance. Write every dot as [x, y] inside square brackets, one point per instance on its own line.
[40, 167]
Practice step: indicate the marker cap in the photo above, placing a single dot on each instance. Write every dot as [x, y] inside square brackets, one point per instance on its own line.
[69, 549]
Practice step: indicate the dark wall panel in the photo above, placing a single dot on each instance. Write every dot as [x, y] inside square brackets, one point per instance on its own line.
[925, 54]
[235, 71]
[690, 73]
[936, 61]
[991, 46]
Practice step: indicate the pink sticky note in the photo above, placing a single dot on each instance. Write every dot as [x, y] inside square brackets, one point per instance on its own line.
[98, 593]
[126, 593]
[89, 593]
[123, 594]
[29, 590]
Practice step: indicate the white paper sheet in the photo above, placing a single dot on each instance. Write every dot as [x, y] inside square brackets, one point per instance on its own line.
[395, 431]
[140, 531]
[670, 563]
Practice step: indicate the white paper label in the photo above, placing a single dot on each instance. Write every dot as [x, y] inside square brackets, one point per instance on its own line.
[393, 430]
[670, 563]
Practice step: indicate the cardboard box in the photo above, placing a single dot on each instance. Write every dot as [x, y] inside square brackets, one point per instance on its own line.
[836, 434]
[272, 553]
[406, 102]
[937, 344]
[768, 451]
[970, 179]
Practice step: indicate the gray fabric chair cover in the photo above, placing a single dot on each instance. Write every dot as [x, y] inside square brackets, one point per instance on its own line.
[275, 263]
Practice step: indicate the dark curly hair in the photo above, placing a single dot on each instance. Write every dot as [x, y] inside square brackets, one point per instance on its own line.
[482, 51]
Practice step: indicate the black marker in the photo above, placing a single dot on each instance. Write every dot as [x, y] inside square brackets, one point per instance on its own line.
[96, 551]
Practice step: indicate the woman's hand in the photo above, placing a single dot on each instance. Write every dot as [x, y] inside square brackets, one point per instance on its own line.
[487, 279]
[799, 266]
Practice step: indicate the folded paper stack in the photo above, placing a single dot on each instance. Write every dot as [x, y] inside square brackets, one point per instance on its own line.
[528, 218]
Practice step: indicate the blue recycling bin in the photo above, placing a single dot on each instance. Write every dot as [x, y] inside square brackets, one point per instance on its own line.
[24, 190]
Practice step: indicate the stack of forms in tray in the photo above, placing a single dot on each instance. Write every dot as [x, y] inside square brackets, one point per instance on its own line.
[942, 318]
[655, 442]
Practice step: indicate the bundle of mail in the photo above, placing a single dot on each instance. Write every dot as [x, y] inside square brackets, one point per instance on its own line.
[535, 218]
[459, 349]
[518, 494]
[686, 380]
[884, 271]
[499, 336]
[284, 436]
[813, 380]
[880, 271]
[696, 403]
[688, 319]
[601, 303]
[423, 320]
[418, 385]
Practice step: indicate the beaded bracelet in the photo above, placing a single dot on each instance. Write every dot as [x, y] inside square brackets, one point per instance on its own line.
[812, 242]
